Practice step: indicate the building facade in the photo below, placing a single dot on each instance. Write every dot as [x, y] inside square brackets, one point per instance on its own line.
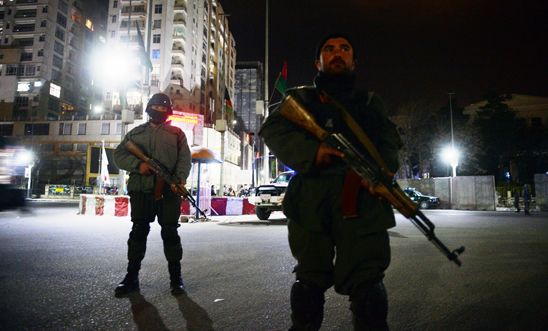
[43, 47]
[191, 50]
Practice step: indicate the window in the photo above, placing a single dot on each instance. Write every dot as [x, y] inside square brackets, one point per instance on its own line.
[63, 7]
[24, 13]
[45, 9]
[41, 129]
[60, 34]
[57, 61]
[21, 101]
[58, 48]
[112, 34]
[105, 128]
[155, 54]
[61, 20]
[115, 4]
[40, 52]
[156, 38]
[82, 147]
[42, 38]
[6, 130]
[113, 19]
[23, 28]
[25, 41]
[65, 129]
[118, 128]
[82, 129]
[157, 24]
[66, 147]
[11, 70]
[43, 24]
[157, 9]
[30, 70]
[26, 56]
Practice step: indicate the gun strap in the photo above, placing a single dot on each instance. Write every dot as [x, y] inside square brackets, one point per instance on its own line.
[359, 133]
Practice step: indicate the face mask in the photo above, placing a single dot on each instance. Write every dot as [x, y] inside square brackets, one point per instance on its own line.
[157, 116]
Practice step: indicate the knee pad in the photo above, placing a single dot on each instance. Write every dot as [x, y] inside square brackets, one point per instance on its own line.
[307, 301]
[369, 305]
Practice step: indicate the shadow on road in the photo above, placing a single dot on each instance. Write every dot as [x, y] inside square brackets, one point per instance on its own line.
[280, 221]
[145, 315]
[396, 234]
[196, 317]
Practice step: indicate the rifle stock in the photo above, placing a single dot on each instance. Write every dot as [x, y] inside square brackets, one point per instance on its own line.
[369, 171]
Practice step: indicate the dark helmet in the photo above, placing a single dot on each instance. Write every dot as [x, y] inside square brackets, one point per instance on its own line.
[160, 99]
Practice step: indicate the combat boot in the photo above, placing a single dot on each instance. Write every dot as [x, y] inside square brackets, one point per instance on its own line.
[176, 281]
[130, 283]
[307, 301]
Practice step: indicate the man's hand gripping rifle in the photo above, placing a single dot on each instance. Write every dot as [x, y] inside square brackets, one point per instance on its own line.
[378, 180]
[161, 171]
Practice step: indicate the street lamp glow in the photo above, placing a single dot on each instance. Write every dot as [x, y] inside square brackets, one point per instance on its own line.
[24, 158]
[115, 66]
[450, 155]
[97, 109]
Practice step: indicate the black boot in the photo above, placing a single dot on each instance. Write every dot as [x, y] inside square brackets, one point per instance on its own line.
[369, 305]
[130, 282]
[307, 302]
[176, 281]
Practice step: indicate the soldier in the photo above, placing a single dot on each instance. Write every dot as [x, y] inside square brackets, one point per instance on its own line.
[337, 227]
[149, 197]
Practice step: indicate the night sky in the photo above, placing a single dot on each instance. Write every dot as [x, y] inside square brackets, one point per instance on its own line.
[407, 50]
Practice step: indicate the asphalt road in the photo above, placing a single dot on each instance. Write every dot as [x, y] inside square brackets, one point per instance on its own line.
[58, 271]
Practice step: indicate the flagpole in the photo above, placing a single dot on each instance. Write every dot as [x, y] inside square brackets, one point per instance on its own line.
[266, 159]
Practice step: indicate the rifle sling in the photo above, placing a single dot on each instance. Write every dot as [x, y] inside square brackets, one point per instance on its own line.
[359, 133]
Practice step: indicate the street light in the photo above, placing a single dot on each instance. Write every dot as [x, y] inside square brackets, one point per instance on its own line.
[451, 155]
[26, 158]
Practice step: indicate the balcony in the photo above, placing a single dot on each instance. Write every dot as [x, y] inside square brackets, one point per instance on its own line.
[178, 51]
[179, 8]
[177, 65]
[179, 21]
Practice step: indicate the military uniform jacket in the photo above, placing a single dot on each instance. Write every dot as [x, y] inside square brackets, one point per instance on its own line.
[165, 143]
[314, 196]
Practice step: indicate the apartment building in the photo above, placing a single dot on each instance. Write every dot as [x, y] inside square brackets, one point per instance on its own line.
[190, 46]
[43, 47]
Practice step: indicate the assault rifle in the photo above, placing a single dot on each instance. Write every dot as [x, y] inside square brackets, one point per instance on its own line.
[382, 184]
[161, 171]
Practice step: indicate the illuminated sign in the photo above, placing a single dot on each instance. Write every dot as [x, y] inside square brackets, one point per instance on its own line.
[55, 90]
[191, 124]
[23, 86]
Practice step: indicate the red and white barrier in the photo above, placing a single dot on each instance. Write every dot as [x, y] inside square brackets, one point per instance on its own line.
[222, 206]
[109, 205]
[118, 205]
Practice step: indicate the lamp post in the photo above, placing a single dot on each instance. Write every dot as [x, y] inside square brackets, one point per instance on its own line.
[454, 156]
[266, 159]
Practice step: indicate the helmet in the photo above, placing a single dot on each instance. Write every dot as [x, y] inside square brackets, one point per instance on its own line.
[160, 99]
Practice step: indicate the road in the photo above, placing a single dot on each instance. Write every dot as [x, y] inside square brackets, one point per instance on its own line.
[58, 271]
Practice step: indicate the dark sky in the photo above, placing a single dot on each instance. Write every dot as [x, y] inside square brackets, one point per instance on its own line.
[407, 50]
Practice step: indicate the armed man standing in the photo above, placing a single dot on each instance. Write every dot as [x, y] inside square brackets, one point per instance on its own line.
[150, 197]
[337, 226]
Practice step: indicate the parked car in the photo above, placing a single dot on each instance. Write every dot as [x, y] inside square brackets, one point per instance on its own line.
[268, 198]
[424, 201]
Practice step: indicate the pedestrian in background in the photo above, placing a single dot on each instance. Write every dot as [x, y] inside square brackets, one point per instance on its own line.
[516, 200]
[526, 199]
[149, 197]
[337, 228]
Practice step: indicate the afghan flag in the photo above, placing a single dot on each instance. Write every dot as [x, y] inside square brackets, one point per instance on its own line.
[281, 82]
[228, 103]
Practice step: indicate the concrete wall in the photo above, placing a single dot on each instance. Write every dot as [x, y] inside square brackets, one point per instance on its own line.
[541, 191]
[469, 192]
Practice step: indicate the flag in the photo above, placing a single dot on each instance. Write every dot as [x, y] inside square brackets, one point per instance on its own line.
[105, 178]
[281, 82]
[144, 55]
[228, 103]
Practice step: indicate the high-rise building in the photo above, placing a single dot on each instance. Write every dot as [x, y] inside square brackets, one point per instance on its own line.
[43, 69]
[190, 46]
[249, 90]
